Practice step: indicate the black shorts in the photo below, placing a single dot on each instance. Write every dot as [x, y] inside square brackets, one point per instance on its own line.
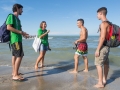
[17, 49]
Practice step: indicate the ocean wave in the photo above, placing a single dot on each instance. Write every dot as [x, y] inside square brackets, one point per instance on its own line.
[33, 38]
[50, 37]
[5, 65]
[96, 40]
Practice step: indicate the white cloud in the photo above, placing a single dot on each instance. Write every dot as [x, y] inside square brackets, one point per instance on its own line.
[27, 8]
[65, 17]
[7, 8]
[76, 15]
[13, 0]
[8, 1]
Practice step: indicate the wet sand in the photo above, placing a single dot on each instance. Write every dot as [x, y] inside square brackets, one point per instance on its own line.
[58, 78]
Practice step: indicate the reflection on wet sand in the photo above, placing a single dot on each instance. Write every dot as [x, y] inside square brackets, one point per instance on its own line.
[15, 85]
[40, 79]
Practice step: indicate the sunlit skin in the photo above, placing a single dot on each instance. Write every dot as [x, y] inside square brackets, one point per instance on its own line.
[83, 38]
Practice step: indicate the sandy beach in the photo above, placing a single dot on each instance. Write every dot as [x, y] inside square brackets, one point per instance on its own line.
[57, 78]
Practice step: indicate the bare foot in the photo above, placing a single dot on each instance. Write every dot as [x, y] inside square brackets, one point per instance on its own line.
[36, 67]
[74, 71]
[104, 82]
[85, 70]
[41, 66]
[99, 86]
[17, 77]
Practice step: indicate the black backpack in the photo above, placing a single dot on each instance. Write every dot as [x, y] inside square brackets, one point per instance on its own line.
[4, 33]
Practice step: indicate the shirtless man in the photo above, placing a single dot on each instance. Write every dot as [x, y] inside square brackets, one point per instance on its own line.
[102, 51]
[81, 47]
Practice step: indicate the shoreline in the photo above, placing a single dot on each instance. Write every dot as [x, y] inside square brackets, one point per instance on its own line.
[58, 78]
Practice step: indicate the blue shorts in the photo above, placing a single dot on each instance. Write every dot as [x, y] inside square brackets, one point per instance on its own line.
[43, 47]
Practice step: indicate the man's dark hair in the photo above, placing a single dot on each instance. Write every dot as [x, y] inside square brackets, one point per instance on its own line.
[81, 21]
[16, 7]
[103, 10]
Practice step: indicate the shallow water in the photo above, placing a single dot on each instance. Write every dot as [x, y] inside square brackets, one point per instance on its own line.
[62, 51]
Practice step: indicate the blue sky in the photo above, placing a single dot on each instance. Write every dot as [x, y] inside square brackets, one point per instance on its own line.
[61, 15]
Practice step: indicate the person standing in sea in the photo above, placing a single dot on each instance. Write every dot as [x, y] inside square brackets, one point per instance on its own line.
[44, 46]
[14, 26]
[82, 47]
[102, 51]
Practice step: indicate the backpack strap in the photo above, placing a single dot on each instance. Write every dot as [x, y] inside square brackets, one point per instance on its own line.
[110, 23]
[107, 37]
[9, 45]
[12, 26]
[7, 16]
[98, 29]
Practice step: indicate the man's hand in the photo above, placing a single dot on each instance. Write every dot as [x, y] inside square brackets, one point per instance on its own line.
[76, 42]
[25, 35]
[97, 53]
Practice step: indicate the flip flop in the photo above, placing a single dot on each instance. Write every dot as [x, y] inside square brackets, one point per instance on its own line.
[19, 80]
[20, 74]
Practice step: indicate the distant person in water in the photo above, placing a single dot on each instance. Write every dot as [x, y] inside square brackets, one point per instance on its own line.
[82, 47]
[43, 35]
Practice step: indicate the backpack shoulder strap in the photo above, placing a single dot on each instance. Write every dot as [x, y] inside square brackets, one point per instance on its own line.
[8, 16]
[98, 29]
[110, 23]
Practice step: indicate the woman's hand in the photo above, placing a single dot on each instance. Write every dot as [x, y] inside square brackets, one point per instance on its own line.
[48, 31]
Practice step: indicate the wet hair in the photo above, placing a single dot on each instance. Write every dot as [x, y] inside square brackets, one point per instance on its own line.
[42, 23]
[16, 7]
[81, 20]
[103, 10]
